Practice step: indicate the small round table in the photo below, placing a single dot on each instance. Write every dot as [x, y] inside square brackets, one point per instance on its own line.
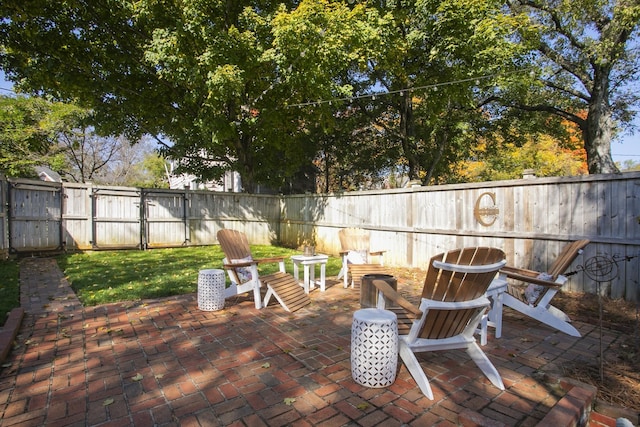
[211, 289]
[374, 347]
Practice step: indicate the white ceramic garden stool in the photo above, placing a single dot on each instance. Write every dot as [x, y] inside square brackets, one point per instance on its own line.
[211, 289]
[374, 347]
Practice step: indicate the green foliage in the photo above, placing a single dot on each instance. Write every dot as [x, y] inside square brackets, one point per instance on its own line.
[29, 129]
[9, 288]
[151, 172]
[36, 132]
[540, 154]
[235, 85]
[112, 276]
[629, 166]
[583, 60]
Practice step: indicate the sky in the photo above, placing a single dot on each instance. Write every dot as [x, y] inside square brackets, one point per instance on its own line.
[626, 148]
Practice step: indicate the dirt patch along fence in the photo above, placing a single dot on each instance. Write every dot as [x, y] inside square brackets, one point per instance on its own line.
[530, 219]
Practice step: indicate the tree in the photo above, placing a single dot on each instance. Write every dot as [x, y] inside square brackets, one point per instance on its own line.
[36, 132]
[280, 92]
[629, 166]
[584, 53]
[111, 160]
[541, 154]
[29, 128]
[195, 73]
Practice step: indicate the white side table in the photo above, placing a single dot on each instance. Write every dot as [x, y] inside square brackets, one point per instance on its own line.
[211, 289]
[308, 263]
[494, 317]
[374, 347]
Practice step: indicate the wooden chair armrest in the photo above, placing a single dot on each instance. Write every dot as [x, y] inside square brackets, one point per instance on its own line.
[396, 298]
[267, 260]
[507, 269]
[240, 264]
[377, 253]
[528, 276]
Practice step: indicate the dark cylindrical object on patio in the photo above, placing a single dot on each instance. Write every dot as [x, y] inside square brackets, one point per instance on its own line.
[369, 293]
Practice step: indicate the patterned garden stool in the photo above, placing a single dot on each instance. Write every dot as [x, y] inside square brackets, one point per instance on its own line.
[374, 347]
[211, 290]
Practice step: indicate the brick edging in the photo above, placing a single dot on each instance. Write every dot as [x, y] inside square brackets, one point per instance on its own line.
[9, 331]
[570, 411]
[574, 408]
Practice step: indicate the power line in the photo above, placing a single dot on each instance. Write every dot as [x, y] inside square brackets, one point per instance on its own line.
[401, 91]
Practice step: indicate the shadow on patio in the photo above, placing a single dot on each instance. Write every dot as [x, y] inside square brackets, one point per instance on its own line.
[164, 362]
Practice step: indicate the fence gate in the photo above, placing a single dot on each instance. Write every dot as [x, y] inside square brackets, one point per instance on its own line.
[165, 219]
[35, 216]
[116, 218]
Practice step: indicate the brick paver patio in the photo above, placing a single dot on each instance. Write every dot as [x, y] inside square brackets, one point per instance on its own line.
[164, 363]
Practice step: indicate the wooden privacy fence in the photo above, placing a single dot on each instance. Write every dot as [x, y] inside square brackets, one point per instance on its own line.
[530, 219]
[44, 216]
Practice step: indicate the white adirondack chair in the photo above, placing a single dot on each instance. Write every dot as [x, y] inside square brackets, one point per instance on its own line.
[357, 257]
[451, 308]
[530, 292]
[243, 273]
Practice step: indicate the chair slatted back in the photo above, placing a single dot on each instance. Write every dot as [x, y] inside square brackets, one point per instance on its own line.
[569, 253]
[354, 239]
[234, 244]
[445, 285]
[452, 286]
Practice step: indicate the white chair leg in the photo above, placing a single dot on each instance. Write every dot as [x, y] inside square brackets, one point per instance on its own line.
[549, 319]
[558, 313]
[414, 368]
[267, 297]
[485, 365]
[256, 296]
[484, 325]
[541, 314]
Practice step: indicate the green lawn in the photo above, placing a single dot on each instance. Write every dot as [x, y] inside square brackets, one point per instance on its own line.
[111, 276]
[9, 288]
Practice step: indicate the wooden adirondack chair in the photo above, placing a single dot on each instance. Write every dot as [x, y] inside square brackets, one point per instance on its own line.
[243, 273]
[530, 292]
[357, 257]
[452, 306]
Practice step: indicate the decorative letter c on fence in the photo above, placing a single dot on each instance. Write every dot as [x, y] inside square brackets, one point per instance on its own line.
[485, 213]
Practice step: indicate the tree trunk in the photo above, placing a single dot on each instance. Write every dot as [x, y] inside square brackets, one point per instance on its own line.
[407, 135]
[245, 163]
[441, 138]
[597, 131]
